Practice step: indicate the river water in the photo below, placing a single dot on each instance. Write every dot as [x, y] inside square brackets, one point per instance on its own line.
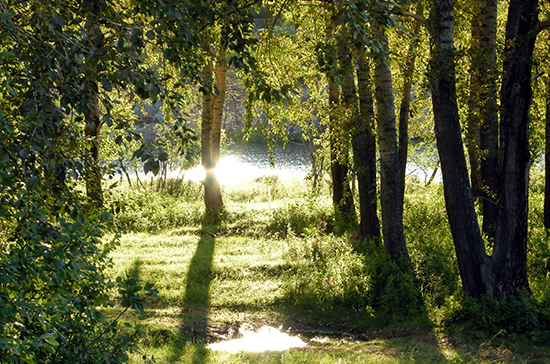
[247, 162]
[293, 161]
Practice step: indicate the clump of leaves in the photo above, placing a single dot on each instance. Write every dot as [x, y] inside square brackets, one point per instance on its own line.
[301, 217]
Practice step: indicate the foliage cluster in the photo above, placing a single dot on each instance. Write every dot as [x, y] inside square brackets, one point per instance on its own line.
[519, 317]
[430, 243]
[53, 283]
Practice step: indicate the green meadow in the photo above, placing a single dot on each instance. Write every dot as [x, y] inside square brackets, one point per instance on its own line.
[277, 255]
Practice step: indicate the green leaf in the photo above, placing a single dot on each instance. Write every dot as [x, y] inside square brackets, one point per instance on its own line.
[50, 338]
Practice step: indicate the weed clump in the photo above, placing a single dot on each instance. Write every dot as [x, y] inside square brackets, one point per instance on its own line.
[302, 217]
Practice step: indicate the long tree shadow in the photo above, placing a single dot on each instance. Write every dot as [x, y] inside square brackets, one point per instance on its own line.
[196, 301]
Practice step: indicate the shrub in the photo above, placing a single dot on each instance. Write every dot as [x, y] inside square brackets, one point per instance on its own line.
[392, 293]
[53, 286]
[430, 244]
[519, 316]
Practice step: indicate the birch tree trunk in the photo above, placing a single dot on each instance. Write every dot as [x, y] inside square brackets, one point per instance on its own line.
[547, 162]
[390, 188]
[220, 77]
[404, 108]
[92, 132]
[342, 197]
[212, 193]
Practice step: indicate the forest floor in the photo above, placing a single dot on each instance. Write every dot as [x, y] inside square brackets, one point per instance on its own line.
[221, 281]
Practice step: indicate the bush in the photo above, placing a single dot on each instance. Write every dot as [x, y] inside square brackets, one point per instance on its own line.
[393, 293]
[430, 244]
[52, 288]
[519, 316]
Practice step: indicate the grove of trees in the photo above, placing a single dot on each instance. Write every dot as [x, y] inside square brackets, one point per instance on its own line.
[71, 71]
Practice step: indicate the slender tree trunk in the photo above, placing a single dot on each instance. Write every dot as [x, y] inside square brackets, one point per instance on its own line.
[547, 163]
[92, 132]
[390, 188]
[469, 245]
[368, 226]
[482, 127]
[364, 151]
[404, 109]
[219, 100]
[342, 197]
[212, 193]
[341, 191]
[509, 261]
[473, 132]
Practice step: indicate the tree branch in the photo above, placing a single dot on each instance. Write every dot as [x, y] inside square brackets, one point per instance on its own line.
[536, 76]
[420, 18]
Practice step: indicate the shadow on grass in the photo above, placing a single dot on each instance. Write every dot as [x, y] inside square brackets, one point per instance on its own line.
[135, 269]
[196, 302]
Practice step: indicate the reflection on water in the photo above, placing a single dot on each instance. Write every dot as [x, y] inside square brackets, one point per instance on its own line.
[248, 162]
[265, 339]
[252, 161]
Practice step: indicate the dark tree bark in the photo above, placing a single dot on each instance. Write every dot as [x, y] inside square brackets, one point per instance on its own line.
[364, 151]
[509, 260]
[390, 192]
[469, 245]
[504, 273]
[350, 113]
[362, 137]
[482, 127]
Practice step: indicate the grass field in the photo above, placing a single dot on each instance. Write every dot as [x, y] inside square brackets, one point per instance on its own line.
[276, 257]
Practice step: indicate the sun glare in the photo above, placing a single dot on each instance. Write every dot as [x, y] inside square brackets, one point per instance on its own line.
[231, 170]
[265, 339]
